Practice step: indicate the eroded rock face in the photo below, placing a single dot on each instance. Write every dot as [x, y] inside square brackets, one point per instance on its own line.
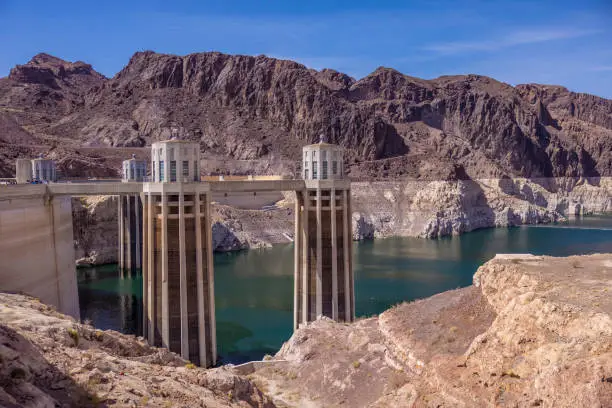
[49, 360]
[362, 227]
[380, 209]
[95, 230]
[224, 238]
[531, 331]
[434, 209]
[244, 107]
[240, 229]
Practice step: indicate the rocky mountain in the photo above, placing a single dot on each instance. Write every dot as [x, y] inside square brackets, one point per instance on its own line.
[258, 108]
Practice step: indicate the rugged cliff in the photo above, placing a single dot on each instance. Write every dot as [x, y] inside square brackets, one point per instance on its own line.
[440, 208]
[49, 360]
[532, 331]
[95, 228]
[429, 209]
[257, 108]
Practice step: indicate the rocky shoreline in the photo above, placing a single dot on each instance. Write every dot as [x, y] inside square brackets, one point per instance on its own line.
[531, 331]
[433, 209]
[427, 209]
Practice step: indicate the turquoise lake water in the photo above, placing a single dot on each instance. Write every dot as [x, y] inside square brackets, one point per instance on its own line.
[254, 289]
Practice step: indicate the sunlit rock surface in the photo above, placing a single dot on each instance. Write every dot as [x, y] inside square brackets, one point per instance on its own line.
[429, 209]
[531, 331]
[49, 360]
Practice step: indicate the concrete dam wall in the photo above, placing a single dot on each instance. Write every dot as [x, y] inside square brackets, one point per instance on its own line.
[36, 236]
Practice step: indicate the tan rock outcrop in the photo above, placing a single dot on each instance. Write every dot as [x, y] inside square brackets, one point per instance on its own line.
[96, 230]
[96, 227]
[532, 331]
[381, 209]
[437, 208]
[49, 360]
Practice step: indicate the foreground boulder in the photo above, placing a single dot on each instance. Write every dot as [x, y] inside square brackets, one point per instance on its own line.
[531, 331]
[49, 360]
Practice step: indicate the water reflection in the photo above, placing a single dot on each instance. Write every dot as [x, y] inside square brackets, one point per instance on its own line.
[109, 301]
[254, 289]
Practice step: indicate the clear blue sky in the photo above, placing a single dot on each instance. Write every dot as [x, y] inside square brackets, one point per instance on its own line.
[556, 42]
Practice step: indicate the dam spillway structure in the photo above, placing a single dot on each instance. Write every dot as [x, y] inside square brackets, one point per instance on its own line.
[323, 276]
[130, 218]
[178, 278]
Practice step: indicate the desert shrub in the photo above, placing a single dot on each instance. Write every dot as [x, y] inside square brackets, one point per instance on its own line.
[74, 335]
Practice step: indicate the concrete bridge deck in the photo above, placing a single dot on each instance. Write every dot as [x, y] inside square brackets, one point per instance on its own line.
[15, 191]
[10, 192]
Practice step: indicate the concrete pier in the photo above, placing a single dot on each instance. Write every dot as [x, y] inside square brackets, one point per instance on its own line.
[178, 277]
[37, 248]
[130, 233]
[130, 218]
[324, 283]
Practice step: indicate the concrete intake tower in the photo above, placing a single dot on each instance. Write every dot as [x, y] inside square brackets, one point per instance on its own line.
[165, 230]
[130, 218]
[323, 277]
[178, 278]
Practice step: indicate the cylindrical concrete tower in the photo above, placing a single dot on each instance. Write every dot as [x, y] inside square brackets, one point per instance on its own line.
[44, 170]
[133, 170]
[179, 307]
[324, 284]
[130, 218]
[175, 161]
[322, 161]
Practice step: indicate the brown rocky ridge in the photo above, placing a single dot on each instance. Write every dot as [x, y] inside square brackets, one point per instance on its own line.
[257, 108]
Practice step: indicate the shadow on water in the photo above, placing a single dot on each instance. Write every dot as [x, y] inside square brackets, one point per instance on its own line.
[109, 301]
[254, 289]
